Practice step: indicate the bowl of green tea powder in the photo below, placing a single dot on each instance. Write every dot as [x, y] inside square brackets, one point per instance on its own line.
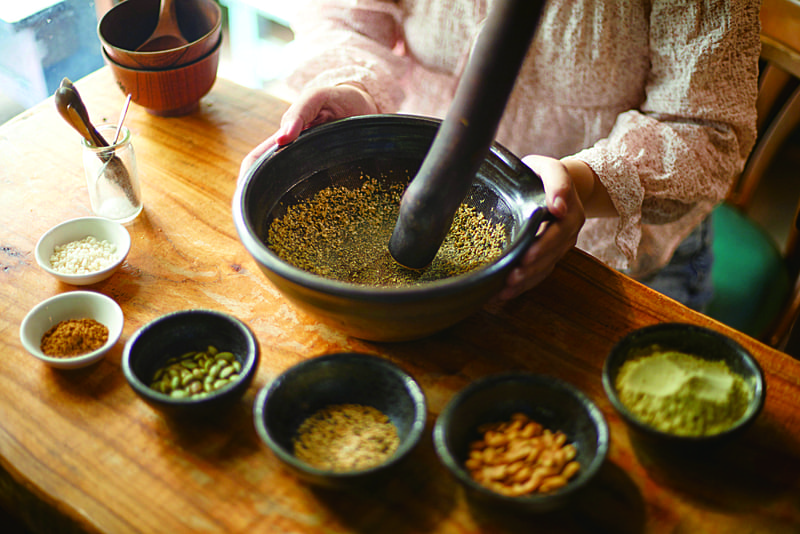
[682, 382]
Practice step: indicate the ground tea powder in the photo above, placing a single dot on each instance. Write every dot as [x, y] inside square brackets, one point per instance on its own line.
[682, 394]
[346, 437]
[343, 234]
[74, 337]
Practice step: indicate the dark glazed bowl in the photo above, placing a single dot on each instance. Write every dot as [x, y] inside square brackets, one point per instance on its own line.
[555, 404]
[381, 146]
[343, 378]
[127, 25]
[696, 341]
[176, 333]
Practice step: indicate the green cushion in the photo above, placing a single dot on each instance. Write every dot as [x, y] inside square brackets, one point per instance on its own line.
[749, 274]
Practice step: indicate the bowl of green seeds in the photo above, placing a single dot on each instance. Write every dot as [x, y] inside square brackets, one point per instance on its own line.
[191, 362]
[317, 215]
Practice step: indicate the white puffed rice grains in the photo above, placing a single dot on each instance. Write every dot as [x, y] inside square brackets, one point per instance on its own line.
[83, 256]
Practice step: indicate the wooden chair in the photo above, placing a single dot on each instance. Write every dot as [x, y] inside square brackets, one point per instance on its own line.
[755, 278]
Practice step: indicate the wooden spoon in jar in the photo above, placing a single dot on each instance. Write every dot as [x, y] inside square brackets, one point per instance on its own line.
[167, 34]
[71, 108]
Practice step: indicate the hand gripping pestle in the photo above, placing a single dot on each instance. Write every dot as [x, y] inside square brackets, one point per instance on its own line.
[466, 134]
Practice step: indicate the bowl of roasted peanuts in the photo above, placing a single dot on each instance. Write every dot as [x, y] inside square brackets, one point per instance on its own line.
[525, 440]
[191, 362]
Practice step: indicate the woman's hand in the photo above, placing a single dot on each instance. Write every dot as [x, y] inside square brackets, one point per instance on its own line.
[558, 236]
[573, 192]
[313, 107]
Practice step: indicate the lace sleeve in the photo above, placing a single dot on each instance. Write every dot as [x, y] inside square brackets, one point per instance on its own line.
[678, 155]
[352, 41]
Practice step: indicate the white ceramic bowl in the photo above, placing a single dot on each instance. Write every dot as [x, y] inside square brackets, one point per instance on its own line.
[76, 229]
[71, 305]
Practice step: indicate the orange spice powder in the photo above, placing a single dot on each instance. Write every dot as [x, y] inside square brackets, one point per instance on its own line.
[74, 337]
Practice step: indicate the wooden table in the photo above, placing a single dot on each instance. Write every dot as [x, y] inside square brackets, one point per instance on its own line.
[80, 452]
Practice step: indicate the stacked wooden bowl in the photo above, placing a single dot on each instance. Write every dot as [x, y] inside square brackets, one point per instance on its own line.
[168, 82]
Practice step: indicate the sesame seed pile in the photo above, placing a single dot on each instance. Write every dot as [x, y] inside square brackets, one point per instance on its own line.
[83, 256]
[346, 437]
[343, 234]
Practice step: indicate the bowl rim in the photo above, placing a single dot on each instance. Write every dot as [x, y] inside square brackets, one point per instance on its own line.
[205, 57]
[586, 473]
[80, 360]
[758, 380]
[430, 290]
[412, 388]
[249, 365]
[123, 248]
[217, 25]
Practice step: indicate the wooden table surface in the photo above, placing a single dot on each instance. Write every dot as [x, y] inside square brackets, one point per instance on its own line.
[80, 452]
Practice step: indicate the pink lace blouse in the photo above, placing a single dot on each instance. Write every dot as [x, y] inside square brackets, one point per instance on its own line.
[658, 97]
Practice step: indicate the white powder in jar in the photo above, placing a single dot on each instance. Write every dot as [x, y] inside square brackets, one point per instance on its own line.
[83, 256]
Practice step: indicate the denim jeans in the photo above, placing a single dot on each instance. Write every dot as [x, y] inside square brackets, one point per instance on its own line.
[687, 276]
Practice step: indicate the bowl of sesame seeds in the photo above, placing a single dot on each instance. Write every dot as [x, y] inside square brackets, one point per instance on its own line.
[342, 420]
[83, 251]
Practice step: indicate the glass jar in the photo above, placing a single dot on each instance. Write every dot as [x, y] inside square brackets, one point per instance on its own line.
[112, 176]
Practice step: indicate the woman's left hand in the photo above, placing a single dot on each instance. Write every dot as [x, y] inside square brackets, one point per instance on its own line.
[313, 107]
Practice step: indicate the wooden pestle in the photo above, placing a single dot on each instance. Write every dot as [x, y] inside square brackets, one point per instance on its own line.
[466, 134]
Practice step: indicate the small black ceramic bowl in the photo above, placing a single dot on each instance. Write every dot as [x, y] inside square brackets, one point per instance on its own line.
[177, 333]
[696, 341]
[338, 379]
[551, 402]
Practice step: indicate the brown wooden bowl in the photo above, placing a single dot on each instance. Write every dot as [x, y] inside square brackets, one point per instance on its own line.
[127, 26]
[168, 92]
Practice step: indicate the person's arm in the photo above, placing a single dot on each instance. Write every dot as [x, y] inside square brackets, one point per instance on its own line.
[593, 194]
[573, 192]
[344, 64]
[675, 157]
[312, 107]
[350, 41]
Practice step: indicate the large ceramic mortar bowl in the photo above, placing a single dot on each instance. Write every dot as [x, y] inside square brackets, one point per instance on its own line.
[381, 146]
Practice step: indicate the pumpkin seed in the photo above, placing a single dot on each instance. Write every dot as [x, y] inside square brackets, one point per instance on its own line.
[196, 374]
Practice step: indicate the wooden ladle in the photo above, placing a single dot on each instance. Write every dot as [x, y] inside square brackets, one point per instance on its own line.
[71, 107]
[167, 34]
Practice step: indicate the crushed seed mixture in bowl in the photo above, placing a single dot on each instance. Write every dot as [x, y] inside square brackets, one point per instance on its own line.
[317, 215]
[343, 233]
